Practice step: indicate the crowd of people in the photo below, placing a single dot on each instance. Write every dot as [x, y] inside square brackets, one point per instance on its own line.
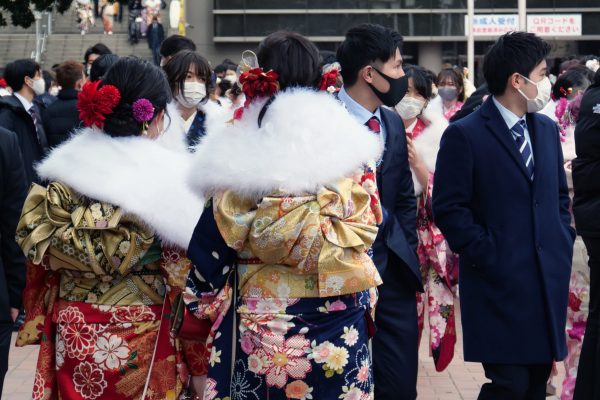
[284, 227]
[144, 19]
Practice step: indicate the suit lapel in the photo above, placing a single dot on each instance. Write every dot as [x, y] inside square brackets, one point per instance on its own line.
[495, 123]
[536, 132]
[390, 142]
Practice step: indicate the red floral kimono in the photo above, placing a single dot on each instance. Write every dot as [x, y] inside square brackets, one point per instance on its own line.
[94, 302]
[439, 266]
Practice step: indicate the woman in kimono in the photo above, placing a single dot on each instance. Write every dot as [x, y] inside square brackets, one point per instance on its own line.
[568, 91]
[96, 296]
[281, 252]
[189, 77]
[439, 265]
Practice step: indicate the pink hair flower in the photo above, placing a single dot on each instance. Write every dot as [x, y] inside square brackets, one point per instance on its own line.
[143, 111]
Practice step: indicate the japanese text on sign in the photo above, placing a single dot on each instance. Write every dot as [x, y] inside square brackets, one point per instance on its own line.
[493, 24]
[554, 24]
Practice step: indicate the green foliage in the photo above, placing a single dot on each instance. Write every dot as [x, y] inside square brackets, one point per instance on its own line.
[20, 11]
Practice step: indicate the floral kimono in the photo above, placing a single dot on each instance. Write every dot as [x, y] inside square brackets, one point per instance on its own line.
[439, 265]
[96, 299]
[566, 113]
[281, 252]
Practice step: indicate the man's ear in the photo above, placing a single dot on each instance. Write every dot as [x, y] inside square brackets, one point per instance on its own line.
[515, 81]
[367, 73]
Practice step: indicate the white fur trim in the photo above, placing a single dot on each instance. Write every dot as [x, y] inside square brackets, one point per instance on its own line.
[174, 136]
[141, 176]
[427, 144]
[307, 139]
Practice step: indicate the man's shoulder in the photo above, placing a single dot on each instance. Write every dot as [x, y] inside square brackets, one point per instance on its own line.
[392, 120]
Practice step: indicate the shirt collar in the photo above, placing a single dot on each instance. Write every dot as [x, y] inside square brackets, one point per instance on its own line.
[361, 114]
[26, 103]
[508, 116]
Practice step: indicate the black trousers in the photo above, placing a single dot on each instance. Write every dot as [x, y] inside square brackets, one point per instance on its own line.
[515, 382]
[588, 378]
[6, 330]
[395, 345]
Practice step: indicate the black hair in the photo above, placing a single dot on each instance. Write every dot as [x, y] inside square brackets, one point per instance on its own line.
[224, 86]
[48, 77]
[293, 57]
[573, 79]
[174, 44]
[178, 66]
[221, 68]
[421, 81]
[135, 79]
[101, 66]
[363, 45]
[16, 71]
[518, 52]
[98, 48]
[456, 78]
[327, 57]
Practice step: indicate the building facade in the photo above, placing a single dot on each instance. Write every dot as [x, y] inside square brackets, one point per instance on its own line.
[433, 30]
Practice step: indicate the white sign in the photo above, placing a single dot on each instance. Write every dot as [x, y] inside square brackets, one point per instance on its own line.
[492, 24]
[554, 24]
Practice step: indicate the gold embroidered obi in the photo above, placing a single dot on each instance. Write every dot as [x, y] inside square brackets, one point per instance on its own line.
[104, 255]
[311, 245]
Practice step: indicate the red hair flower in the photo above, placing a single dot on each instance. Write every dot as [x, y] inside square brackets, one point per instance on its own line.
[95, 104]
[329, 79]
[3, 83]
[257, 83]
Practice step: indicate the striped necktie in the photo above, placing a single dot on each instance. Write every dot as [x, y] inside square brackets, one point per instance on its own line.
[518, 132]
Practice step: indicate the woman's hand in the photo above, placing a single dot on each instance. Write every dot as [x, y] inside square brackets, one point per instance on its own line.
[416, 163]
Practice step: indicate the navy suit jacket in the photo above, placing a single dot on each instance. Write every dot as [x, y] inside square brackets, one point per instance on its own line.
[513, 236]
[396, 243]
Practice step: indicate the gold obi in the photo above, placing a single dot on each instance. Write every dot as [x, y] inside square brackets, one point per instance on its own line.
[308, 245]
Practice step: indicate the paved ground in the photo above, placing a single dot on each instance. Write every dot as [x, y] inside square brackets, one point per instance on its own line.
[460, 381]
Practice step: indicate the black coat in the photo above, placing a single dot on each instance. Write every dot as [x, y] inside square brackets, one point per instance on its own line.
[61, 117]
[586, 167]
[396, 243]
[513, 236]
[14, 118]
[13, 190]
[155, 35]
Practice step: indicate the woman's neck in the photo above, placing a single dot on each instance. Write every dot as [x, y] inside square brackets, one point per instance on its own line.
[409, 122]
[186, 112]
[449, 104]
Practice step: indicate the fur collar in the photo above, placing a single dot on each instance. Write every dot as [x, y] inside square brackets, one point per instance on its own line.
[427, 144]
[142, 176]
[307, 139]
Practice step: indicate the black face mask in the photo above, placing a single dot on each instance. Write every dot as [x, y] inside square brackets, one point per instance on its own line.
[398, 88]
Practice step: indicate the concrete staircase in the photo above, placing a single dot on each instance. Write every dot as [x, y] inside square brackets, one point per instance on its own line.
[66, 41]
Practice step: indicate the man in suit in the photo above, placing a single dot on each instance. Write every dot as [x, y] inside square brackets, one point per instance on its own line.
[13, 190]
[61, 118]
[501, 200]
[372, 70]
[19, 113]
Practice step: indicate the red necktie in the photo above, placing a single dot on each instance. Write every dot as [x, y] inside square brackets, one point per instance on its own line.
[374, 125]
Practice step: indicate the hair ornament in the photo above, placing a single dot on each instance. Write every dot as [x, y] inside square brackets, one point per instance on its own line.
[256, 83]
[95, 104]
[329, 79]
[143, 112]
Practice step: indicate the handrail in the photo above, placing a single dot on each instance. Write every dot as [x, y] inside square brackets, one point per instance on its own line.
[42, 31]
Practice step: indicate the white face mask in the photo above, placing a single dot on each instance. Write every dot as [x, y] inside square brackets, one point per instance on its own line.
[38, 86]
[409, 107]
[193, 94]
[544, 89]
[54, 91]
[231, 78]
